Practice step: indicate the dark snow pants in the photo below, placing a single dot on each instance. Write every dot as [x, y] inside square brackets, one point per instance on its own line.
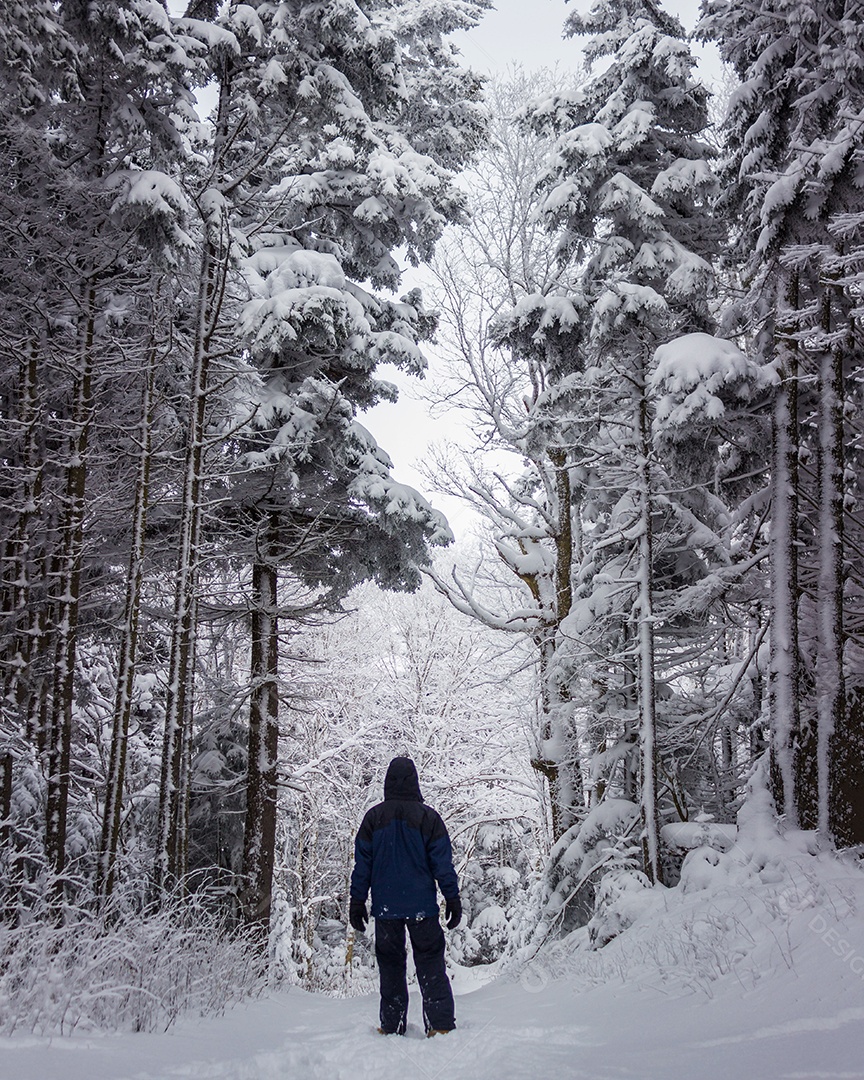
[427, 943]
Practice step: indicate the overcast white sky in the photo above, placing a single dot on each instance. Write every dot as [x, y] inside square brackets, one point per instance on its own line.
[526, 32]
[529, 32]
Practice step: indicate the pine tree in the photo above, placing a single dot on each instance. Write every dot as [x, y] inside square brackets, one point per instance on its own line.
[317, 172]
[86, 113]
[793, 155]
[629, 189]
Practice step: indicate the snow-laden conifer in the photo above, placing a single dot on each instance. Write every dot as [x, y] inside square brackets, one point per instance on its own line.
[319, 167]
[90, 98]
[628, 187]
[792, 171]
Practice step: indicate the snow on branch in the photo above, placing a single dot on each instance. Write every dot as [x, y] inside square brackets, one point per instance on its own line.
[463, 600]
[696, 375]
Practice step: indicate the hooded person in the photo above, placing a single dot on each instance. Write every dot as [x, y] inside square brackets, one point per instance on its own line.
[402, 849]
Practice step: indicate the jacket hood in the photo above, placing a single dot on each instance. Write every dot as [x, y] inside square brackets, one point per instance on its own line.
[401, 781]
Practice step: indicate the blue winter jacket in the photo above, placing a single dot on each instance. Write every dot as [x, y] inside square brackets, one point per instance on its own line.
[401, 850]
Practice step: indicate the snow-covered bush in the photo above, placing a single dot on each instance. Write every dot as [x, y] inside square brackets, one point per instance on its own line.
[601, 843]
[138, 974]
[620, 900]
[487, 936]
[344, 961]
[771, 904]
[324, 955]
[497, 882]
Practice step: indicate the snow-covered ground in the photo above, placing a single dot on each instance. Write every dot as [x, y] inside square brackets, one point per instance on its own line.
[506, 1032]
[752, 968]
[710, 984]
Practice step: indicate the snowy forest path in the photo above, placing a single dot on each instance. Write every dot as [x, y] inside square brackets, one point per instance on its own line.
[507, 1031]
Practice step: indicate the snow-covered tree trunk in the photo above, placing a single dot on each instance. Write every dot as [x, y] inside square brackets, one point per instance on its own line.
[259, 841]
[7, 764]
[563, 534]
[845, 804]
[20, 678]
[559, 759]
[831, 692]
[553, 761]
[170, 865]
[649, 756]
[794, 140]
[755, 634]
[784, 663]
[112, 809]
[68, 592]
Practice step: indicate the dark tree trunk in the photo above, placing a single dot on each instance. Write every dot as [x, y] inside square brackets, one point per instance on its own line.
[172, 835]
[68, 593]
[259, 840]
[6, 800]
[128, 648]
[846, 790]
[649, 752]
[784, 684]
[831, 695]
[563, 777]
[23, 631]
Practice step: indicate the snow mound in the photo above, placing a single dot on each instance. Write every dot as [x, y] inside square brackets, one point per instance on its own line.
[757, 910]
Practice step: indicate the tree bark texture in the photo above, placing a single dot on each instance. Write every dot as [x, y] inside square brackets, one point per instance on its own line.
[113, 807]
[647, 693]
[831, 693]
[564, 537]
[259, 840]
[846, 791]
[23, 625]
[784, 664]
[559, 759]
[172, 844]
[67, 594]
[7, 763]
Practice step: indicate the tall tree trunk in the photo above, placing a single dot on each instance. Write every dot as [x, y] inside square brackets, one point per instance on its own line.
[728, 763]
[630, 694]
[757, 732]
[784, 666]
[7, 764]
[259, 840]
[831, 696]
[564, 536]
[559, 759]
[171, 844]
[24, 628]
[546, 760]
[846, 792]
[647, 693]
[845, 744]
[68, 592]
[128, 648]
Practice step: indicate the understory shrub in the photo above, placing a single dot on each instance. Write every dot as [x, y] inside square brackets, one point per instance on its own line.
[137, 974]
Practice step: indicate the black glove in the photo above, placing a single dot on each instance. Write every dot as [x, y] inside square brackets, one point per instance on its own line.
[453, 912]
[357, 915]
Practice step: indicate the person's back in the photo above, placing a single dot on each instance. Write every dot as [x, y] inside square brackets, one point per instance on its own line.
[402, 849]
[406, 847]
